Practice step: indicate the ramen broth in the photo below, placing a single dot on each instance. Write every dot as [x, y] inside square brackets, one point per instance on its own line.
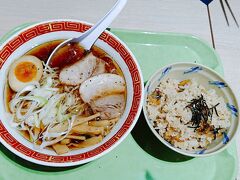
[63, 58]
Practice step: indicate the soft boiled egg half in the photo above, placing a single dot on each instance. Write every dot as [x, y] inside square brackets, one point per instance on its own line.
[24, 71]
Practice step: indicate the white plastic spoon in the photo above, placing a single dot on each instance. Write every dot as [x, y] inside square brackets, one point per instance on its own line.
[88, 38]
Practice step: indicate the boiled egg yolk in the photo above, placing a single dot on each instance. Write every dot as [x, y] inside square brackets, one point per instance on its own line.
[24, 71]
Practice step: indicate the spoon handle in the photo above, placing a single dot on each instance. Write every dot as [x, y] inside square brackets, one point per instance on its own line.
[88, 38]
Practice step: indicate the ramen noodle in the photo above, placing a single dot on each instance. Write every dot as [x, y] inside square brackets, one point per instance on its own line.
[72, 103]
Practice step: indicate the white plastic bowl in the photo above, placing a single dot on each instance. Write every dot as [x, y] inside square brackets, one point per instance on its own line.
[203, 75]
[24, 40]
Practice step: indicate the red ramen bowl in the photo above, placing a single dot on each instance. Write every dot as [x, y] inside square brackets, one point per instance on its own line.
[39, 33]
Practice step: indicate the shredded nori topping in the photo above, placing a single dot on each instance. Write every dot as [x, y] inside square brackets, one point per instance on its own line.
[201, 113]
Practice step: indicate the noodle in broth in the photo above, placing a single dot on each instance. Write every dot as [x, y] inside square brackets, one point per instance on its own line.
[75, 103]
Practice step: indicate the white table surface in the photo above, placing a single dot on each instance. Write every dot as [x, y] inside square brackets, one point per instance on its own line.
[185, 16]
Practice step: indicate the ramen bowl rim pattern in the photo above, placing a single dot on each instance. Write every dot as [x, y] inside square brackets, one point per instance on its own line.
[133, 78]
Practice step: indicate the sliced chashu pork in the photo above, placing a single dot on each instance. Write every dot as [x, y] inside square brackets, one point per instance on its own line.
[78, 72]
[110, 106]
[105, 94]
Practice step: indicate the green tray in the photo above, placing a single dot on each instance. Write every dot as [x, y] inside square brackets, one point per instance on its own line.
[140, 156]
